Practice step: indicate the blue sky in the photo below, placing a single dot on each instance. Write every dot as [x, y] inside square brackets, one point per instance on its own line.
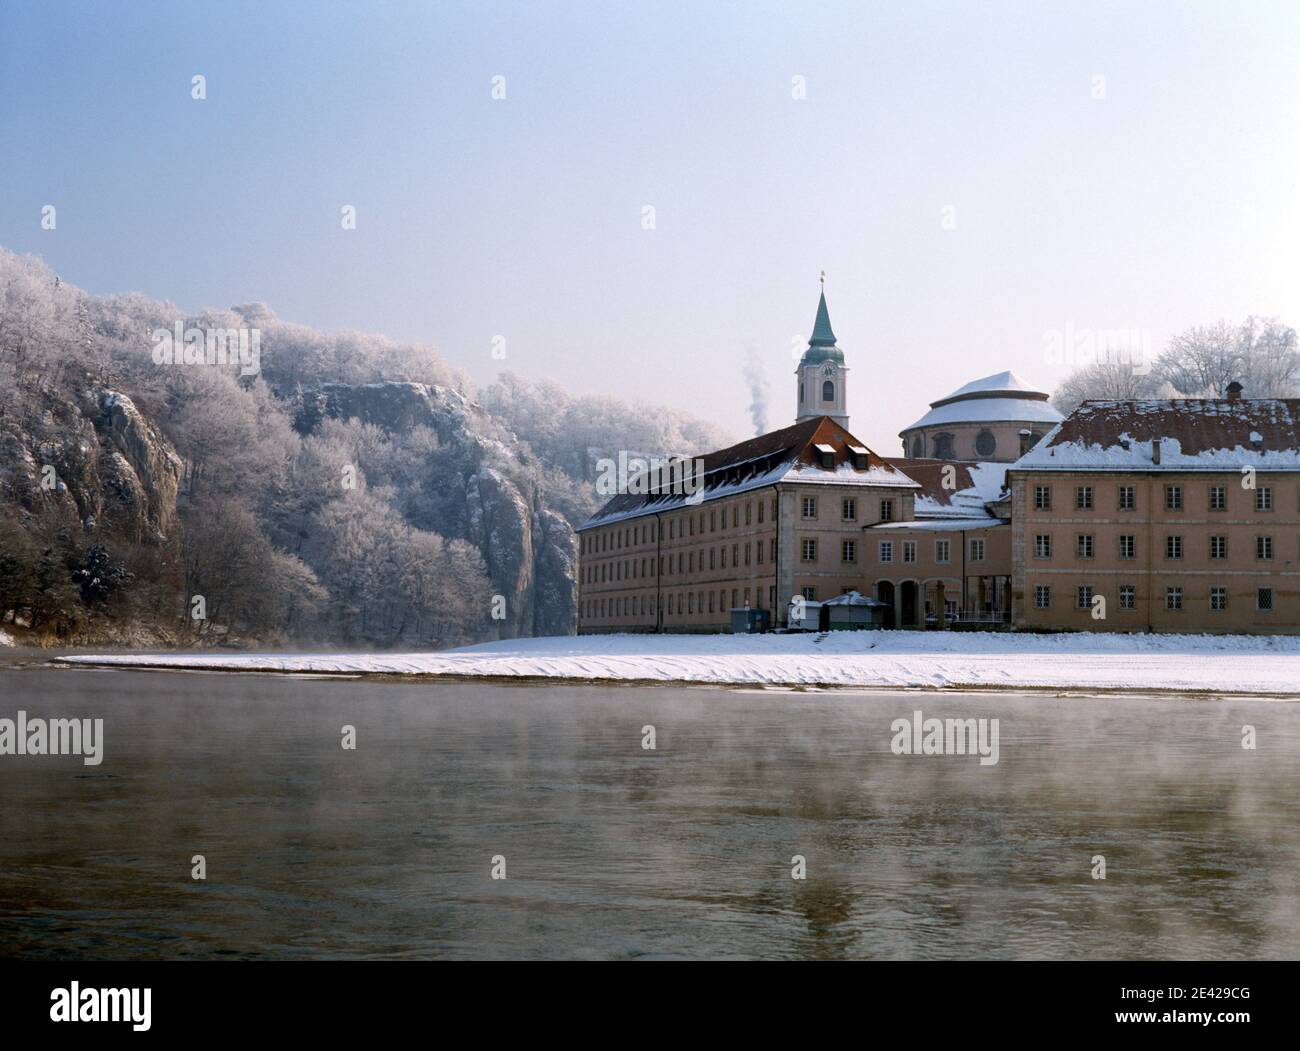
[1170, 201]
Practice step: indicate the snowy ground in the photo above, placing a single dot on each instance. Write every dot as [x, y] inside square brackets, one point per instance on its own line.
[1221, 664]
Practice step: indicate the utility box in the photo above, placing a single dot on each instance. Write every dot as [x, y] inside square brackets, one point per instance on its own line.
[749, 621]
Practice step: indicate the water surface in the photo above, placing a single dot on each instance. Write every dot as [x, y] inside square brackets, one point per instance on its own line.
[613, 851]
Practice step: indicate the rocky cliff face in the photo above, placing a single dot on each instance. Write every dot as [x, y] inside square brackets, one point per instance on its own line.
[530, 550]
[97, 459]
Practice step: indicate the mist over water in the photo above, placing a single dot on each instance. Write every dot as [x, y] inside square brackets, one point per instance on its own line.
[617, 852]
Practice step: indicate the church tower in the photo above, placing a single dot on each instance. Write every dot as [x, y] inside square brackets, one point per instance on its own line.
[822, 373]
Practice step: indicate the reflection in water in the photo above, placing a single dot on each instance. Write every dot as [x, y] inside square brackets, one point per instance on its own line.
[613, 851]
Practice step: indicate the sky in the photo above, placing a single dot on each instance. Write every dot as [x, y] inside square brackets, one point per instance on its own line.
[975, 179]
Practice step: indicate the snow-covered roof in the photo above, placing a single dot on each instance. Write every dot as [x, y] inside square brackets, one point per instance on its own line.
[778, 456]
[989, 410]
[1000, 398]
[999, 382]
[1195, 434]
[944, 525]
[970, 486]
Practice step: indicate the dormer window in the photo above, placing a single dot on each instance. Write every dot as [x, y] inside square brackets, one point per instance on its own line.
[825, 455]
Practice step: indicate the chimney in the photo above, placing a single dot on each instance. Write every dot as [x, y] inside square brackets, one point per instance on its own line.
[1155, 451]
[1025, 443]
[1234, 391]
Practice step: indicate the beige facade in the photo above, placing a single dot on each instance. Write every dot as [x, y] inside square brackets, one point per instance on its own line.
[684, 570]
[1164, 550]
[962, 568]
[997, 442]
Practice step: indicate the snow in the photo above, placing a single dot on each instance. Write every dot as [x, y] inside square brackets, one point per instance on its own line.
[952, 524]
[1066, 456]
[988, 482]
[999, 381]
[1084, 662]
[990, 410]
[5, 638]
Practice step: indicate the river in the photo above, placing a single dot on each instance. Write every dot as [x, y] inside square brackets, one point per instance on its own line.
[613, 850]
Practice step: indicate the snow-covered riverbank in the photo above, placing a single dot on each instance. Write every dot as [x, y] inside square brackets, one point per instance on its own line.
[1229, 664]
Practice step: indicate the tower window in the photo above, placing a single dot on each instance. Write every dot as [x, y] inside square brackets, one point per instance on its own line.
[828, 391]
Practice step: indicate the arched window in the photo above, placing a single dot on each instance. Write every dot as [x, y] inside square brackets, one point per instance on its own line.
[828, 391]
[943, 446]
[918, 447]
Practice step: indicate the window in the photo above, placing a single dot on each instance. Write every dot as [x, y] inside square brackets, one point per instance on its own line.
[1083, 596]
[1042, 596]
[1083, 545]
[749, 511]
[1218, 498]
[735, 555]
[710, 601]
[809, 549]
[1173, 498]
[1043, 545]
[943, 446]
[758, 549]
[849, 509]
[943, 550]
[1128, 546]
[761, 505]
[810, 507]
[1128, 596]
[1218, 547]
[1042, 498]
[747, 554]
[985, 443]
[886, 510]
[1173, 547]
[828, 391]
[1264, 600]
[886, 551]
[849, 551]
[809, 593]
[1218, 599]
[713, 521]
[909, 550]
[1127, 498]
[1264, 547]
[1083, 498]
[773, 549]
[1264, 498]
[977, 550]
[1173, 599]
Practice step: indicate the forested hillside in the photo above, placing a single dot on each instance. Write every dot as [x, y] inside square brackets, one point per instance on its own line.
[348, 489]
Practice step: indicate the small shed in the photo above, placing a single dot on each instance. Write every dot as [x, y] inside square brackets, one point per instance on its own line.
[853, 612]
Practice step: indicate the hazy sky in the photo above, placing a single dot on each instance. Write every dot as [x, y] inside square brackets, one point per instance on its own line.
[1170, 200]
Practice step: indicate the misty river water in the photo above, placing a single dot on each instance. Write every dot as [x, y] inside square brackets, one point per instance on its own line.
[612, 850]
